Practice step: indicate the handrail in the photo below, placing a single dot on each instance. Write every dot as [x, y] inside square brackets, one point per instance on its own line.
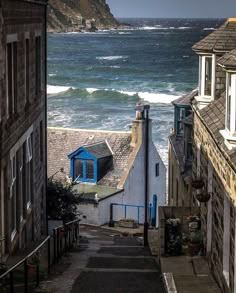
[24, 259]
[127, 205]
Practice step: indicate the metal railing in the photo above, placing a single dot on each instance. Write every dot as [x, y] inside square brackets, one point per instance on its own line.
[64, 237]
[26, 274]
[125, 206]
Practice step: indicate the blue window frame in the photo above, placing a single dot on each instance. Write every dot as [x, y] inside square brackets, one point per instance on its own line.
[83, 166]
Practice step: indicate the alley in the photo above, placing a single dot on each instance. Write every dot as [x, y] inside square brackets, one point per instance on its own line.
[105, 261]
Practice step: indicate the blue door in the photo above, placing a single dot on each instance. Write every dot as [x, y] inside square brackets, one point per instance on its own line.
[154, 210]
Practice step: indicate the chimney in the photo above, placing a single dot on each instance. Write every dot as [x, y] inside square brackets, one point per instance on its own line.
[138, 125]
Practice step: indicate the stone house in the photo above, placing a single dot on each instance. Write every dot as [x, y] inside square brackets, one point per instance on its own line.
[22, 124]
[214, 153]
[109, 167]
[180, 153]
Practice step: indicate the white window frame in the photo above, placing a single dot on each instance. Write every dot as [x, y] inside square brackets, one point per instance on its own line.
[202, 77]
[232, 129]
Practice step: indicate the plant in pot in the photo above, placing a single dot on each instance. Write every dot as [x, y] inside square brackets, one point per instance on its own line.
[203, 196]
[195, 242]
[197, 183]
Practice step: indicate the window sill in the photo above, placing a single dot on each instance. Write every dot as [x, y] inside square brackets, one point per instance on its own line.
[230, 141]
[203, 101]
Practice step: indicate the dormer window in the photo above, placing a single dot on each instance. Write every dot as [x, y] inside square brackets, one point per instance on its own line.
[90, 163]
[229, 133]
[205, 76]
[230, 121]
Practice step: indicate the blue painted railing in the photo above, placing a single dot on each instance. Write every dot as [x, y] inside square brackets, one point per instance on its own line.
[125, 210]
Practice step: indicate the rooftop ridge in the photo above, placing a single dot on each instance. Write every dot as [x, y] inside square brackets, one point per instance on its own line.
[89, 130]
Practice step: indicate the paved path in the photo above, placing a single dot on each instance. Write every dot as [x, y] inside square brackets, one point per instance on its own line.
[109, 263]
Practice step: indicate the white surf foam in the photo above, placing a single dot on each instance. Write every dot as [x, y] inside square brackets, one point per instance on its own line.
[124, 33]
[55, 89]
[157, 97]
[52, 74]
[184, 27]
[115, 66]
[91, 90]
[111, 57]
[209, 29]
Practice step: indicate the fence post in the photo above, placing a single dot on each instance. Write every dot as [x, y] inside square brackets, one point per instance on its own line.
[26, 275]
[54, 246]
[11, 282]
[37, 275]
[58, 243]
[49, 255]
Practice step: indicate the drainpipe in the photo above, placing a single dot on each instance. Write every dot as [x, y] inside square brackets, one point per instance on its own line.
[145, 108]
[145, 234]
[46, 136]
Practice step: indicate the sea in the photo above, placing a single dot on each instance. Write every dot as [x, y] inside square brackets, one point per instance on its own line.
[96, 79]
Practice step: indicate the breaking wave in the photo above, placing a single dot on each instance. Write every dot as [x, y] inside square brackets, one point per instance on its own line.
[111, 57]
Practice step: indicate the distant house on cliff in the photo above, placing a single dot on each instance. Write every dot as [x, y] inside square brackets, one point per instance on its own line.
[109, 167]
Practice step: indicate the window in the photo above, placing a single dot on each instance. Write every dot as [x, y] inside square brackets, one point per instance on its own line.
[188, 143]
[157, 166]
[13, 195]
[229, 132]
[230, 122]
[29, 171]
[205, 76]
[41, 140]
[11, 78]
[84, 169]
[37, 65]
[19, 170]
[27, 70]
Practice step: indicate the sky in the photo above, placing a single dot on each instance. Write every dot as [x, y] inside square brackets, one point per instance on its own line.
[173, 8]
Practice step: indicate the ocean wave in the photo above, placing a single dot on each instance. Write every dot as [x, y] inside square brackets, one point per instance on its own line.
[209, 29]
[184, 27]
[111, 57]
[114, 66]
[91, 90]
[52, 74]
[124, 33]
[151, 97]
[157, 98]
[56, 89]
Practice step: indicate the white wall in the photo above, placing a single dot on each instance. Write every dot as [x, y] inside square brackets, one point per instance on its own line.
[135, 184]
[104, 208]
[89, 210]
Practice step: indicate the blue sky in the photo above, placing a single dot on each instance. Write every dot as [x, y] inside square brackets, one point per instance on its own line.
[173, 8]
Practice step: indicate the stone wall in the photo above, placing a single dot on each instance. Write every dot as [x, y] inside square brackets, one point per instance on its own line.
[21, 20]
[223, 186]
[220, 77]
[179, 194]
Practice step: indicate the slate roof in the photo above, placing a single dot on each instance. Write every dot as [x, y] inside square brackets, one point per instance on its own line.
[62, 142]
[228, 60]
[214, 117]
[185, 100]
[221, 40]
[98, 149]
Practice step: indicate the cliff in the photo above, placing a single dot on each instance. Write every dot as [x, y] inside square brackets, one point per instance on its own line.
[79, 15]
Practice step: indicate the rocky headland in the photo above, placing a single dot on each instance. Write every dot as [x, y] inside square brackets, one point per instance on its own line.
[79, 16]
